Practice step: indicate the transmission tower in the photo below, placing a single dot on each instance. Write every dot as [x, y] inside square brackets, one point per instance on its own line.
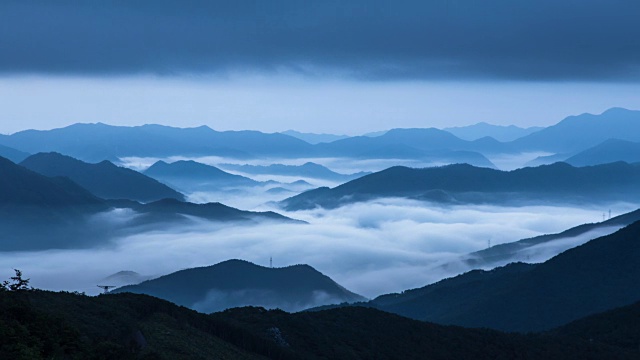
[106, 288]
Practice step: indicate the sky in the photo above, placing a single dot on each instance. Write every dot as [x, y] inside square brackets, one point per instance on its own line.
[325, 66]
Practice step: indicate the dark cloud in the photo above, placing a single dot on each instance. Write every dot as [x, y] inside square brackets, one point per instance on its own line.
[373, 39]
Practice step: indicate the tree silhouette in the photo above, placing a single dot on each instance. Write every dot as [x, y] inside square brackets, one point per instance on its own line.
[18, 283]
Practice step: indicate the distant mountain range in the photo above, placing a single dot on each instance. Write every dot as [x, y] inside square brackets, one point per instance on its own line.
[196, 176]
[462, 183]
[131, 326]
[597, 276]
[312, 138]
[236, 283]
[578, 133]
[498, 132]
[307, 170]
[105, 180]
[97, 142]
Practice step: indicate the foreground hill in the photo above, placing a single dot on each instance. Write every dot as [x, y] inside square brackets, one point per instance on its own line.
[46, 325]
[462, 183]
[236, 283]
[104, 179]
[597, 276]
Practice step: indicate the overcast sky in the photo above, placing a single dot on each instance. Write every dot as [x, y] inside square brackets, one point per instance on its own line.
[324, 66]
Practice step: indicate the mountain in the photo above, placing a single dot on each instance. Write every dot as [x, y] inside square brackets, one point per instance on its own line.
[462, 183]
[619, 327]
[97, 142]
[193, 175]
[129, 326]
[308, 170]
[532, 249]
[312, 138]
[498, 132]
[236, 283]
[122, 278]
[104, 179]
[37, 211]
[578, 133]
[609, 151]
[597, 276]
[428, 143]
[12, 154]
[169, 212]
[20, 186]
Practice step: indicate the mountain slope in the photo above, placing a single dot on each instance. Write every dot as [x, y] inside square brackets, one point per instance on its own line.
[462, 183]
[97, 142]
[609, 151]
[193, 175]
[129, 326]
[312, 138]
[498, 132]
[104, 179]
[599, 275]
[308, 169]
[12, 154]
[577, 133]
[239, 283]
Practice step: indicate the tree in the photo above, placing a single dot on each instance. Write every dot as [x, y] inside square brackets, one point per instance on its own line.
[18, 283]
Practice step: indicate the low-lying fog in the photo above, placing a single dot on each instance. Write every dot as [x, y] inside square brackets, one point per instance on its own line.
[370, 248]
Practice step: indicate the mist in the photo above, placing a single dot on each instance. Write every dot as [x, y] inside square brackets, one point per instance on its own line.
[371, 248]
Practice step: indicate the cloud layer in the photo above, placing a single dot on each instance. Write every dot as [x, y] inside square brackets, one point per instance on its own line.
[372, 39]
[370, 248]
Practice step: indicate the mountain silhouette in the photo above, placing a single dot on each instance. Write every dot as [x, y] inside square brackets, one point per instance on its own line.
[104, 179]
[308, 170]
[578, 133]
[497, 132]
[12, 154]
[463, 183]
[597, 276]
[236, 283]
[188, 174]
[609, 151]
[312, 138]
[132, 326]
[97, 142]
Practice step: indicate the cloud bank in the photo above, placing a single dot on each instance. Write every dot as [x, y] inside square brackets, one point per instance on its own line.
[370, 248]
[372, 39]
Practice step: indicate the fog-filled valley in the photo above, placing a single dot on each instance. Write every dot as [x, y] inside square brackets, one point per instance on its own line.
[412, 225]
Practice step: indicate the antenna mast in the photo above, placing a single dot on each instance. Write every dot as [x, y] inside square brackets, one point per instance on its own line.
[271, 262]
[106, 288]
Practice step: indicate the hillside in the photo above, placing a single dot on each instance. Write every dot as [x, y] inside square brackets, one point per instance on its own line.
[578, 133]
[105, 180]
[463, 183]
[591, 278]
[45, 325]
[236, 283]
[609, 151]
[498, 132]
[12, 154]
[193, 175]
[307, 170]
